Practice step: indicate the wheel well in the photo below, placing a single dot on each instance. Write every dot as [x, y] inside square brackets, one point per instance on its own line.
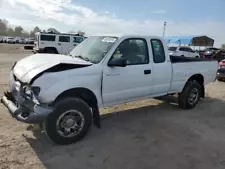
[85, 94]
[52, 48]
[200, 79]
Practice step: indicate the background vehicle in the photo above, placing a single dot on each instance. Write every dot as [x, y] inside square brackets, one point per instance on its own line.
[22, 41]
[214, 53]
[183, 51]
[56, 43]
[1, 39]
[30, 41]
[10, 40]
[221, 71]
[65, 92]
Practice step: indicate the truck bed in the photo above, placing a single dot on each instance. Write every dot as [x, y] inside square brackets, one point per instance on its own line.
[182, 70]
[178, 59]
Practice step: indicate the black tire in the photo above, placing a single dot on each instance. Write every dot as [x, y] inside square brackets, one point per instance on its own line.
[220, 79]
[50, 125]
[196, 56]
[50, 50]
[183, 99]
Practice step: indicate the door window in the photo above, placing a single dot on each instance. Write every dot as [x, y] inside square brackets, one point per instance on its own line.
[134, 50]
[77, 39]
[47, 38]
[64, 39]
[158, 51]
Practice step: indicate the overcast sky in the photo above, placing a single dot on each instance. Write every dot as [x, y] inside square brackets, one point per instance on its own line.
[193, 17]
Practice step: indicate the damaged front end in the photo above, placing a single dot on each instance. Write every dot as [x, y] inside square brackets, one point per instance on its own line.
[22, 103]
[22, 100]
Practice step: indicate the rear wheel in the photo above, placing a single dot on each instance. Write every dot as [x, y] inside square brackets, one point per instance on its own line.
[190, 95]
[69, 122]
[220, 79]
[50, 50]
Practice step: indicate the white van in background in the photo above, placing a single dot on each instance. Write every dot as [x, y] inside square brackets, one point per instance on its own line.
[56, 42]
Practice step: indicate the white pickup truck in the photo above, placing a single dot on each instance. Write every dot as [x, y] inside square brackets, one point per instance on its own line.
[65, 92]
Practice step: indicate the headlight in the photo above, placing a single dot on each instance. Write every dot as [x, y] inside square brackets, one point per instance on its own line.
[30, 90]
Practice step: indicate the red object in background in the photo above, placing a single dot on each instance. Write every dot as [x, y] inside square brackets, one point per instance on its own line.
[222, 63]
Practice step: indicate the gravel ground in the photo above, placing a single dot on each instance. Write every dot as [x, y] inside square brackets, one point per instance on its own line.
[149, 134]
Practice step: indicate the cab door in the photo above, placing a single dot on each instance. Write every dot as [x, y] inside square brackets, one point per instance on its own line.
[123, 84]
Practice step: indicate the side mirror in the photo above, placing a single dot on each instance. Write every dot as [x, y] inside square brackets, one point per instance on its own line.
[117, 62]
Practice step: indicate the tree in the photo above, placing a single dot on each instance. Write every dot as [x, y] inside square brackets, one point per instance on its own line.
[18, 31]
[223, 46]
[53, 30]
[81, 33]
[3, 27]
[36, 29]
[10, 32]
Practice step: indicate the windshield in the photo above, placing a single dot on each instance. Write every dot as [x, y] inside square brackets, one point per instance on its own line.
[172, 48]
[94, 48]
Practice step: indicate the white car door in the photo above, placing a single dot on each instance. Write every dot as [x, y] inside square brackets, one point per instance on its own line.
[123, 84]
[64, 44]
[162, 68]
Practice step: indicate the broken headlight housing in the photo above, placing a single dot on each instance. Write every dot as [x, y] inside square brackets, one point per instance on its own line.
[31, 92]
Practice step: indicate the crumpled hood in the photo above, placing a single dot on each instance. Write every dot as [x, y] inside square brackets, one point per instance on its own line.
[28, 67]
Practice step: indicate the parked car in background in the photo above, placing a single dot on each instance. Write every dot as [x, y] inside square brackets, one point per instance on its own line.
[221, 71]
[1, 39]
[17, 39]
[30, 41]
[56, 42]
[10, 40]
[22, 41]
[214, 53]
[183, 51]
[65, 92]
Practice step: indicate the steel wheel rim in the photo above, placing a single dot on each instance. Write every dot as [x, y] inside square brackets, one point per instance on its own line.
[193, 96]
[70, 123]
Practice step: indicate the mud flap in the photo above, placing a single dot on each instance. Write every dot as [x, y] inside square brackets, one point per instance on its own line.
[96, 117]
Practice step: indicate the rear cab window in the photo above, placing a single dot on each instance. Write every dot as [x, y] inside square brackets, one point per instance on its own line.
[158, 51]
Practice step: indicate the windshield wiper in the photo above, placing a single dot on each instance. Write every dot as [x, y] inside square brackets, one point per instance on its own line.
[81, 57]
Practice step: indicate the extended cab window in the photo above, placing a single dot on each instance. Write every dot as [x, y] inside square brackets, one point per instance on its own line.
[77, 39]
[64, 39]
[47, 38]
[158, 51]
[135, 51]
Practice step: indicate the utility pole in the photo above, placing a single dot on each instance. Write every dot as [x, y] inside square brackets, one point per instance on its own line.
[164, 29]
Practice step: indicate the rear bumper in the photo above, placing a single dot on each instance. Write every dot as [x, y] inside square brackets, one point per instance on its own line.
[220, 75]
[23, 113]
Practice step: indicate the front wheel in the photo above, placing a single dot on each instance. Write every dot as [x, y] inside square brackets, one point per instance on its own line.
[69, 122]
[190, 95]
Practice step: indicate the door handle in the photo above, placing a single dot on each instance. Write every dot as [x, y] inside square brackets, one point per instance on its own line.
[147, 72]
[74, 45]
[59, 43]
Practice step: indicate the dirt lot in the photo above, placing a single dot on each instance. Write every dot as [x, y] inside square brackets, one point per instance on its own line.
[140, 135]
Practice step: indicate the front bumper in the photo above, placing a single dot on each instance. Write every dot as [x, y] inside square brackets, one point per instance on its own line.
[22, 109]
